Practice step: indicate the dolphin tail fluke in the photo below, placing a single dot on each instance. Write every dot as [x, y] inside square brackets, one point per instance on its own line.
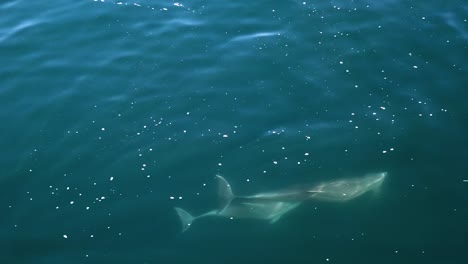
[224, 192]
[185, 218]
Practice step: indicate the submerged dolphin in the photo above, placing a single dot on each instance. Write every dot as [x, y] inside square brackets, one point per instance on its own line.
[272, 205]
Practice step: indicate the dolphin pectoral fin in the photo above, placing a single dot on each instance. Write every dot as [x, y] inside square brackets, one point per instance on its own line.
[289, 207]
[185, 218]
[224, 192]
[274, 220]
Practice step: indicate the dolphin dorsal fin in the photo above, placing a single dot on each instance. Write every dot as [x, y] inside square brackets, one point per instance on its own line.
[224, 192]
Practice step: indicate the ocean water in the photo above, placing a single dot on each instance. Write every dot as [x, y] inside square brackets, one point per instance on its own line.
[115, 112]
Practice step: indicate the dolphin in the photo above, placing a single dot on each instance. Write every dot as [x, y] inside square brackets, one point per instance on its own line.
[271, 206]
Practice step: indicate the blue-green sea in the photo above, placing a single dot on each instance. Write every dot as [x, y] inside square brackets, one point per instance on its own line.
[113, 113]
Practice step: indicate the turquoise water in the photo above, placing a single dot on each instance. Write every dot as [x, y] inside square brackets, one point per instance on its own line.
[115, 112]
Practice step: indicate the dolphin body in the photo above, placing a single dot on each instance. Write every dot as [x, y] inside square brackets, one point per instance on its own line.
[337, 191]
[272, 206]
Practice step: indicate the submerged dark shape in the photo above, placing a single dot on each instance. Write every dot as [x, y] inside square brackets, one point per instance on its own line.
[272, 205]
